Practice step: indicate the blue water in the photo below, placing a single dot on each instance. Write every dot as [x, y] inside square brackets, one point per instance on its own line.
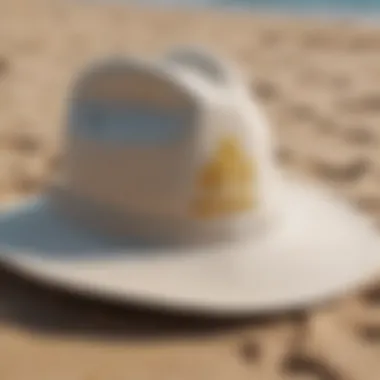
[323, 7]
[346, 6]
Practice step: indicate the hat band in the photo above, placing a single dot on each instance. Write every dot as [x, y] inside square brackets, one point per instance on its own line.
[114, 223]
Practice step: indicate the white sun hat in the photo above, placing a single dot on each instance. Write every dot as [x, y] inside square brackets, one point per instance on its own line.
[170, 196]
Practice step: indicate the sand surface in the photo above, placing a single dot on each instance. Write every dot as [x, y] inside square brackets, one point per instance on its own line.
[318, 82]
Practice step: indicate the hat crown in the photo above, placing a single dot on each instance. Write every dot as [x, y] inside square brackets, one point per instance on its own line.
[177, 143]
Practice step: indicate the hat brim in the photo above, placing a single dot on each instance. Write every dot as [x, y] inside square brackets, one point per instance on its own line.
[320, 249]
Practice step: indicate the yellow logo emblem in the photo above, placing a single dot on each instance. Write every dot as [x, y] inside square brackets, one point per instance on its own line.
[225, 185]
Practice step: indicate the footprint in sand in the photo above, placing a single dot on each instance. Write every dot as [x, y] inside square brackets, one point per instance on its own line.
[359, 135]
[265, 90]
[25, 142]
[341, 170]
[366, 103]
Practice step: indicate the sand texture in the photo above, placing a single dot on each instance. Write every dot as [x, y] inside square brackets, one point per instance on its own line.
[319, 83]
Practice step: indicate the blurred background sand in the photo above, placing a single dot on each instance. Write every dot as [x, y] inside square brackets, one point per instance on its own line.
[319, 84]
[317, 80]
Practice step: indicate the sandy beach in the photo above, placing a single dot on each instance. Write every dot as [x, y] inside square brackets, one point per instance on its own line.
[319, 84]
